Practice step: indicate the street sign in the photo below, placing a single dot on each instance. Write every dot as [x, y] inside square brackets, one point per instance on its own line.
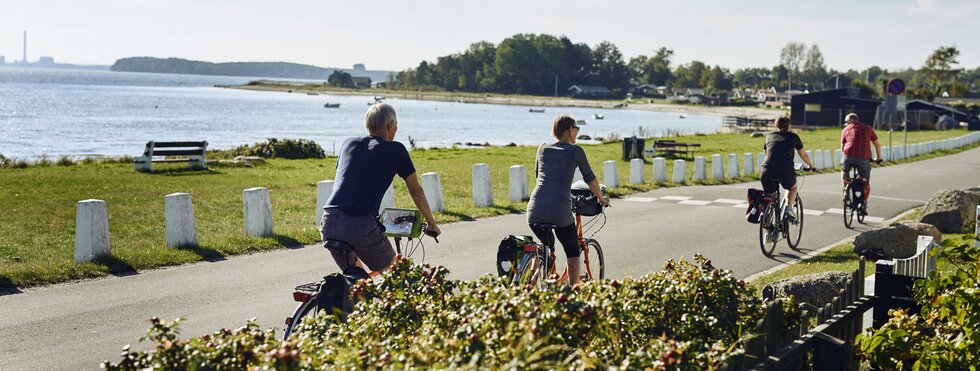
[896, 87]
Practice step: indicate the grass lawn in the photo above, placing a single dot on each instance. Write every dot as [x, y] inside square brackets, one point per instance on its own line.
[38, 219]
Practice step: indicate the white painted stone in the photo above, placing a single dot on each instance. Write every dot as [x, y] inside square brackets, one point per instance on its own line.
[432, 185]
[179, 217]
[828, 160]
[577, 176]
[324, 189]
[659, 169]
[482, 189]
[258, 212]
[761, 158]
[732, 165]
[680, 171]
[518, 183]
[91, 231]
[809, 153]
[748, 166]
[818, 159]
[610, 174]
[388, 200]
[700, 169]
[838, 157]
[717, 167]
[636, 171]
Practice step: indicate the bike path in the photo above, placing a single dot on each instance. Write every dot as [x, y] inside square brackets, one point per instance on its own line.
[77, 325]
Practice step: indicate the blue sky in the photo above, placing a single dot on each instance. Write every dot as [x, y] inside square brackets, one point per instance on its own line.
[393, 35]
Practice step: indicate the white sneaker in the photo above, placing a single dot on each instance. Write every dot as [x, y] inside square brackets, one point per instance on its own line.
[791, 213]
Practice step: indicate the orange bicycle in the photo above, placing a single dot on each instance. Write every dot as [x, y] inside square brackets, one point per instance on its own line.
[530, 268]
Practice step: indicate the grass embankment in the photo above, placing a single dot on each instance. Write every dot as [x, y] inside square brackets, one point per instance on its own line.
[37, 237]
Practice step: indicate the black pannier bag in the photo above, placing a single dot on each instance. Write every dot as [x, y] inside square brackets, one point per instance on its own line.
[334, 295]
[509, 253]
[858, 189]
[583, 201]
[754, 198]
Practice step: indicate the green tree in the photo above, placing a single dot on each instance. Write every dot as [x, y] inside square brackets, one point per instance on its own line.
[792, 56]
[340, 79]
[940, 66]
[814, 70]
[689, 75]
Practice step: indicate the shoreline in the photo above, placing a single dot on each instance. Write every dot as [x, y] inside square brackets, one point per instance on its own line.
[518, 100]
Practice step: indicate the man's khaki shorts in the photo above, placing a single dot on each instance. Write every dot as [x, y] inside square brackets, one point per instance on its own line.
[363, 233]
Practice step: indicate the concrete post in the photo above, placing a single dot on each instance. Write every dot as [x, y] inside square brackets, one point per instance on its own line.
[258, 212]
[659, 169]
[748, 166]
[838, 157]
[732, 165]
[828, 161]
[324, 189]
[432, 185]
[700, 170]
[91, 231]
[761, 157]
[636, 171]
[179, 216]
[809, 153]
[388, 200]
[518, 183]
[610, 174]
[818, 159]
[577, 176]
[482, 189]
[680, 171]
[717, 167]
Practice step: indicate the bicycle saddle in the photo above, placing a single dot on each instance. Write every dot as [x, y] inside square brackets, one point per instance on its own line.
[337, 245]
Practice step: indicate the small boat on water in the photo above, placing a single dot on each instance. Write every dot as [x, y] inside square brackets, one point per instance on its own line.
[598, 116]
[331, 105]
[536, 110]
[581, 122]
[683, 116]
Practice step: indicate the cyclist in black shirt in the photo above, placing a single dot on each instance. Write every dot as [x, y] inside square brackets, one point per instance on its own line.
[777, 168]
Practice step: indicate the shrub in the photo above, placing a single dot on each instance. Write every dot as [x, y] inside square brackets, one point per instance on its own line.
[275, 148]
[65, 161]
[687, 316]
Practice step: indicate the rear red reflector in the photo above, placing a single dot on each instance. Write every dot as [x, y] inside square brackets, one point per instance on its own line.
[301, 296]
[289, 321]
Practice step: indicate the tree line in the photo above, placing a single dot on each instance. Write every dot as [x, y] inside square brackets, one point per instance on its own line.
[541, 64]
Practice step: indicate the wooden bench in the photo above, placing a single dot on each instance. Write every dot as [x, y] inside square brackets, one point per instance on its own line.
[192, 152]
[671, 148]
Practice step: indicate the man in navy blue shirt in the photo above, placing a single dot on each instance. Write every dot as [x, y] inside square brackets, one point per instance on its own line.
[365, 168]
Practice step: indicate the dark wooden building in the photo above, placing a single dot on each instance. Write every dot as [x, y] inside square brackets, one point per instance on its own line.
[828, 107]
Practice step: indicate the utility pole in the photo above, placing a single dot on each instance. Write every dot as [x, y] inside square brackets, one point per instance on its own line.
[556, 84]
[25, 48]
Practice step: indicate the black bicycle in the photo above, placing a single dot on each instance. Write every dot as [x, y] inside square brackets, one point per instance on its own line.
[854, 194]
[774, 225]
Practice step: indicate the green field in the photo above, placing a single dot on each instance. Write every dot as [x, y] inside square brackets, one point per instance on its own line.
[38, 218]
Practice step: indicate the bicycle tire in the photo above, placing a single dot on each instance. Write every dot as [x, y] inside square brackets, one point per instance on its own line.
[795, 227]
[301, 311]
[767, 230]
[848, 209]
[596, 261]
[861, 215]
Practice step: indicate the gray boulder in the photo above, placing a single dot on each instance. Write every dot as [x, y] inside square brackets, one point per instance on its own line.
[950, 210]
[814, 289]
[249, 159]
[897, 240]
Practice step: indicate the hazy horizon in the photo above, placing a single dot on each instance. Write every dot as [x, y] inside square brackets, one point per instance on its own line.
[393, 36]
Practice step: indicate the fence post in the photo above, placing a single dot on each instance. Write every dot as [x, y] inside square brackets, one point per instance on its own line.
[482, 188]
[518, 183]
[732, 165]
[717, 167]
[258, 212]
[432, 185]
[636, 171]
[91, 230]
[748, 168]
[700, 170]
[324, 189]
[680, 171]
[179, 220]
[610, 174]
[659, 169]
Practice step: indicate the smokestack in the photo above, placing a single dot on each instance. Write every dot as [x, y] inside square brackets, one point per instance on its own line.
[25, 47]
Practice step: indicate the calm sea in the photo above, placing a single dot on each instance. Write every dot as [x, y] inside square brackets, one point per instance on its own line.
[52, 112]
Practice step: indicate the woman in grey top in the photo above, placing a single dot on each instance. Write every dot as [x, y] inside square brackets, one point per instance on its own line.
[551, 200]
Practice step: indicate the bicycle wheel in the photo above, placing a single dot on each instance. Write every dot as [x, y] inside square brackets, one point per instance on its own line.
[794, 228]
[301, 311]
[593, 263]
[768, 235]
[530, 271]
[861, 213]
[848, 209]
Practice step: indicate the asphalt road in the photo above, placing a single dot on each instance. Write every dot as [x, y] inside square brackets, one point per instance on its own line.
[77, 325]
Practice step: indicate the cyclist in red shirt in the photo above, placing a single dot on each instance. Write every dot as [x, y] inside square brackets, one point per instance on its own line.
[855, 144]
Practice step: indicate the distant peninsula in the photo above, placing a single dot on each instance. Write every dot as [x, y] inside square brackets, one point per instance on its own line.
[249, 69]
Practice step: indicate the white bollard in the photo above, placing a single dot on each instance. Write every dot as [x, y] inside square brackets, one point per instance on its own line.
[179, 217]
[809, 153]
[91, 231]
[636, 171]
[680, 171]
[748, 168]
[432, 185]
[518, 183]
[659, 169]
[324, 189]
[838, 157]
[610, 174]
[577, 176]
[828, 161]
[761, 156]
[482, 189]
[700, 170]
[817, 159]
[258, 212]
[388, 200]
[717, 168]
[732, 165]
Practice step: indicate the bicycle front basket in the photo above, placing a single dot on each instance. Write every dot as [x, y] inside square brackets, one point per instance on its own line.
[402, 222]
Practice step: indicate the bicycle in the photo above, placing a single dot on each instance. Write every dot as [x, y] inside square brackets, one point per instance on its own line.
[531, 267]
[398, 223]
[854, 197]
[774, 225]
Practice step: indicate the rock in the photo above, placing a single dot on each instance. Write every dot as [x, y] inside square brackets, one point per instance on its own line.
[897, 240]
[758, 134]
[584, 137]
[814, 289]
[249, 159]
[950, 210]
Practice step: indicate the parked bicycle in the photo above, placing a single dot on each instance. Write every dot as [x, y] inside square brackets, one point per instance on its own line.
[855, 191]
[774, 225]
[399, 224]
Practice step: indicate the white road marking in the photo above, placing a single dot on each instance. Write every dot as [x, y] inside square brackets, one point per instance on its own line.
[873, 219]
[676, 198]
[812, 212]
[640, 199]
[695, 202]
[835, 211]
[742, 205]
[729, 201]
